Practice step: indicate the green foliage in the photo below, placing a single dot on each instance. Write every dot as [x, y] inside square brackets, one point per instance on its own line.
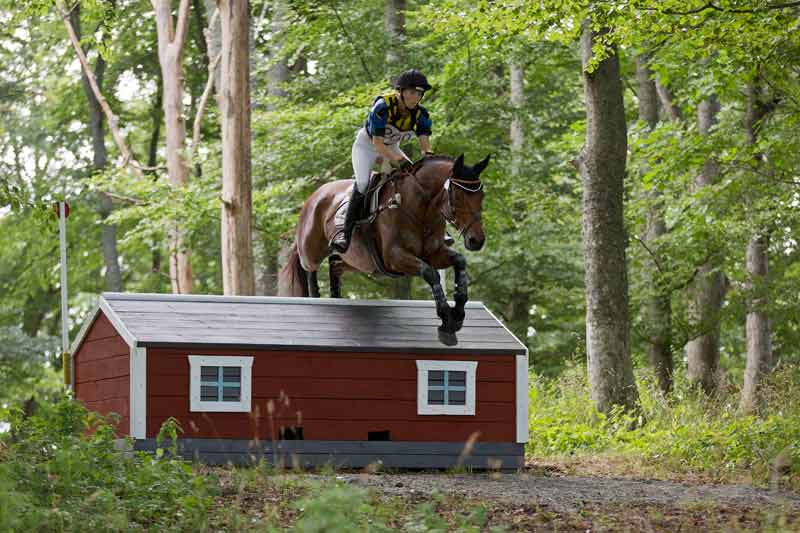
[344, 508]
[689, 433]
[24, 368]
[62, 469]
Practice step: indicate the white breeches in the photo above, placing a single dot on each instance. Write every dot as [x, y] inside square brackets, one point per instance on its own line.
[364, 156]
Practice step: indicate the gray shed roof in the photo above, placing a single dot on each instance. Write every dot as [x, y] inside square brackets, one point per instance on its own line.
[160, 320]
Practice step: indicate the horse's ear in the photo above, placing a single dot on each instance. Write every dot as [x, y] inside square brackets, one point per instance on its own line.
[481, 165]
[458, 166]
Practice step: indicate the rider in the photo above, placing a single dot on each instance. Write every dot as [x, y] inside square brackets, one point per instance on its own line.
[394, 118]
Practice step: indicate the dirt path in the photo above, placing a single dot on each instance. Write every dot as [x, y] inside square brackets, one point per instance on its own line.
[571, 493]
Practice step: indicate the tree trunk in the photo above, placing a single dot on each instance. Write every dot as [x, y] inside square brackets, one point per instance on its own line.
[668, 103]
[237, 204]
[757, 330]
[278, 74]
[213, 34]
[657, 311]
[602, 167]
[517, 102]
[394, 22]
[99, 162]
[708, 289]
[267, 245]
[171, 40]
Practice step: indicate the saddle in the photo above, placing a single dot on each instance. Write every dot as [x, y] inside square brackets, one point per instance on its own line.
[367, 213]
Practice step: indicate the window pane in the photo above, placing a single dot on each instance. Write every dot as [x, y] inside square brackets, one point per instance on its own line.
[456, 397]
[457, 378]
[208, 393]
[436, 378]
[231, 374]
[209, 373]
[230, 394]
[436, 397]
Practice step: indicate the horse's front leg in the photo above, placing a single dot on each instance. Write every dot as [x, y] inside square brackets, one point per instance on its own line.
[444, 258]
[401, 261]
[461, 283]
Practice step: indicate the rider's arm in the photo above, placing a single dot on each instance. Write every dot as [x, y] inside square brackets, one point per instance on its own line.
[425, 144]
[424, 125]
[384, 150]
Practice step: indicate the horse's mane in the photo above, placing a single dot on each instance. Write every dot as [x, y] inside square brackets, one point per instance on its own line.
[429, 159]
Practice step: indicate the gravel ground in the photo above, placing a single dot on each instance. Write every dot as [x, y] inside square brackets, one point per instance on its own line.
[569, 493]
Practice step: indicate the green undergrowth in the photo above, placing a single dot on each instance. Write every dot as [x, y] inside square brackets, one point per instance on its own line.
[62, 470]
[686, 433]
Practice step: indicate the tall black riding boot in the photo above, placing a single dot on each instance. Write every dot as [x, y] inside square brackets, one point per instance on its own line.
[341, 241]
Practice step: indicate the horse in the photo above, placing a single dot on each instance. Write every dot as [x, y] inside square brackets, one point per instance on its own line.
[406, 235]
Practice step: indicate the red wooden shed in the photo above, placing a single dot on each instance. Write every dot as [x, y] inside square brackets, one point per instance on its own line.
[306, 380]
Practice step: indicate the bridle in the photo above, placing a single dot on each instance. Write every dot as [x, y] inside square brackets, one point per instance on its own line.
[449, 211]
[448, 207]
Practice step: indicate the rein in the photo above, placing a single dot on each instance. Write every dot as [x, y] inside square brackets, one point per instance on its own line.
[447, 212]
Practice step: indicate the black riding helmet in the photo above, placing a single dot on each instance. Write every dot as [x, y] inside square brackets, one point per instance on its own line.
[412, 79]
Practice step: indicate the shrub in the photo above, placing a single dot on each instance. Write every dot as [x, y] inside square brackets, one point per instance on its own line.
[62, 469]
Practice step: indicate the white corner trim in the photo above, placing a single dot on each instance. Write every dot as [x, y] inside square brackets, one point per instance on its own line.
[138, 395]
[424, 366]
[116, 321]
[522, 398]
[243, 362]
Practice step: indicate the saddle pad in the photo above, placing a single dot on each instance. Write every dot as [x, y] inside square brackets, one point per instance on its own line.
[372, 200]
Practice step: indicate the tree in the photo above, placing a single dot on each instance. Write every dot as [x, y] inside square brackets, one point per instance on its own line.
[758, 334]
[708, 289]
[658, 311]
[237, 241]
[100, 159]
[171, 42]
[394, 23]
[602, 166]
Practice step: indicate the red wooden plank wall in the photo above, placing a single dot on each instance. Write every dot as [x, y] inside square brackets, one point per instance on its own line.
[102, 372]
[336, 396]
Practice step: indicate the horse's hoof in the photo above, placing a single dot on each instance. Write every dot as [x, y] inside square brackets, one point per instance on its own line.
[448, 338]
[458, 325]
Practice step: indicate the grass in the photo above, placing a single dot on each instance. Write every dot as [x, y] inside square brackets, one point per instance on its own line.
[684, 436]
[60, 470]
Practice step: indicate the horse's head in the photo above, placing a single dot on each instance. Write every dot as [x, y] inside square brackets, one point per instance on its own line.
[464, 201]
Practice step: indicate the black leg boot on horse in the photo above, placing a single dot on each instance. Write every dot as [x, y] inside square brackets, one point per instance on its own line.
[341, 240]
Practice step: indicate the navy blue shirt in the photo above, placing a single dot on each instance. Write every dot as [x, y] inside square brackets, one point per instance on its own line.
[384, 120]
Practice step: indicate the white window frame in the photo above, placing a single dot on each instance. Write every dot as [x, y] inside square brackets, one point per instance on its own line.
[244, 403]
[424, 408]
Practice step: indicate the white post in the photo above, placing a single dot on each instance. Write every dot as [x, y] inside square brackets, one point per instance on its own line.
[62, 231]
[443, 279]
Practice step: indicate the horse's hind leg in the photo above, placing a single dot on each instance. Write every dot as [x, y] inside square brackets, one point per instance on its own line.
[313, 285]
[335, 270]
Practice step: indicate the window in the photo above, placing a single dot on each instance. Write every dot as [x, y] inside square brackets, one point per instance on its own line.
[446, 387]
[220, 383]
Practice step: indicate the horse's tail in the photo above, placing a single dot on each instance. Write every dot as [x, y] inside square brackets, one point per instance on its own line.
[292, 279]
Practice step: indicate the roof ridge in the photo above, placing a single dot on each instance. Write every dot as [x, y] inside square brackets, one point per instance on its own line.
[219, 298]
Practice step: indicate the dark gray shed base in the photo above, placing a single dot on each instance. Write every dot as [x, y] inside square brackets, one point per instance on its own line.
[348, 454]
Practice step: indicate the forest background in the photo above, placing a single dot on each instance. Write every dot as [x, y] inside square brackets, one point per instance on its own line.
[708, 193]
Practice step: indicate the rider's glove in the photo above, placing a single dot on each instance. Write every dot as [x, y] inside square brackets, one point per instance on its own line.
[402, 164]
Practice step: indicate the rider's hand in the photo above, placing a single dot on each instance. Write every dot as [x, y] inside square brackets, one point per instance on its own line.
[401, 164]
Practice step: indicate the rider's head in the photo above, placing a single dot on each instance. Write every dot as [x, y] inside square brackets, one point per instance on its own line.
[411, 85]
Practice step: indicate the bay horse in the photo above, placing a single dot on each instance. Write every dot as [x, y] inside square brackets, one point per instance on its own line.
[408, 233]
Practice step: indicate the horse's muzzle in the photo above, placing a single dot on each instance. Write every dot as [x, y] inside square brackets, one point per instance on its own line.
[474, 244]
